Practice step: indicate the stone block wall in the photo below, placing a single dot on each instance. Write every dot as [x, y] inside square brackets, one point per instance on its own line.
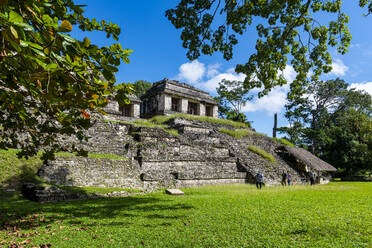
[112, 108]
[199, 155]
[92, 172]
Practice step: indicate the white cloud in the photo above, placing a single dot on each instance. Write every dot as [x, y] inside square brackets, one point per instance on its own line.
[191, 72]
[212, 83]
[339, 68]
[355, 45]
[363, 86]
[271, 103]
[289, 73]
[196, 74]
[275, 100]
[213, 70]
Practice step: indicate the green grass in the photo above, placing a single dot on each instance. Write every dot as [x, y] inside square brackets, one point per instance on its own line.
[146, 123]
[158, 122]
[97, 190]
[337, 215]
[13, 170]
[262, 153]
[284, 142]
[163, 119]
[92, 155]
[236, 133]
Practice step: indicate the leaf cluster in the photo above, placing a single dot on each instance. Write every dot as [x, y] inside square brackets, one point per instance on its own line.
[288, 32]
[334, 122]
[49, 81]
[232, 98]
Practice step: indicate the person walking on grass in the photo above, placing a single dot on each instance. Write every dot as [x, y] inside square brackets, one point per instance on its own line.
[289, 178]
[259, 180]
[284, 179]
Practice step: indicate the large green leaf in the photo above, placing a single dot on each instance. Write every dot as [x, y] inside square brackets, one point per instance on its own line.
[14, 17]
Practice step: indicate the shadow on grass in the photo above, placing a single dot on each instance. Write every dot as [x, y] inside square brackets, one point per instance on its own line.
[17, 212]
[26, 175]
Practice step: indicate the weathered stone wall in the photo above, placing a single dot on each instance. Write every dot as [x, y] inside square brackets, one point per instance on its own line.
[184, 104]
[167, 102]
[202, 109]
[186, 91]
[215, 111]
[92, 172]
[199, 155]
[136, 110]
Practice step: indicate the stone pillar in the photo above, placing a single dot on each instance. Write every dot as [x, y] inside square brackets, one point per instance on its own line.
[136, 110]
[184, 105]
[215, 111]
[167, 102]
[202, 109]
[161, 102]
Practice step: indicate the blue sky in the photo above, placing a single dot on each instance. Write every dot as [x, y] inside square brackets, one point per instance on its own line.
[158, 53]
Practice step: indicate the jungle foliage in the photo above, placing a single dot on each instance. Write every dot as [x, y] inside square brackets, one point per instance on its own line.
[50, 81]
[335, 123]
[289, 32]
[232, 98]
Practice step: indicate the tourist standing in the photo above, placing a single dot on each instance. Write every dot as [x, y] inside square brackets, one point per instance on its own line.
[284, 178]
[312, 178]
[259, 180]
[289, 178]
[303, 178]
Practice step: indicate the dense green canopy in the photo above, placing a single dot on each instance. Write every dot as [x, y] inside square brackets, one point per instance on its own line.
[289, 32]
[335, 123]
[49, 81]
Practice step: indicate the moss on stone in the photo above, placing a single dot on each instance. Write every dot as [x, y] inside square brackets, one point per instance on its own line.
[262, 153]
[236, 133]
[92, 155]
[146, 123]
[284, 142]
[162, 119]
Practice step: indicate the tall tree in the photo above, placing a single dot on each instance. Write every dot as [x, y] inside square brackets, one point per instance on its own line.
[232, 98]
[334, 122]
[347, 142]
[310, 109]
[288, 32]
[49, 81]
[141, 87]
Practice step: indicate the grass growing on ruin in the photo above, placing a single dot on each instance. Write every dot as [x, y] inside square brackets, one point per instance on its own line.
[284, 142]
[146, 123]
[236, 133]
[92, 155]
[334, 215]
[262, 153]
[163, 119]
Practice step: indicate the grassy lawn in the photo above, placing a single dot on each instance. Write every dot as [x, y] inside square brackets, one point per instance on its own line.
[13, 171]
[334, 215]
